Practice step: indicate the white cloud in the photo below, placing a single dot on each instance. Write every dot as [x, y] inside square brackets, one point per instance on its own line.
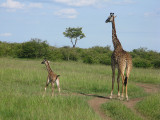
[123, 2]
[35, 5]
[5, 34]
[147, 14]
[80, 3]
[66, 13]
[151, 14]
[11, 4]
[77, 2]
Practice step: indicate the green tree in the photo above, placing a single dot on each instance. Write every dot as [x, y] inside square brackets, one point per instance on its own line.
[74, 33]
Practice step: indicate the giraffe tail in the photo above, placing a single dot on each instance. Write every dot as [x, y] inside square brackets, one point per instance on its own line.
[57, 76]
[125, 81]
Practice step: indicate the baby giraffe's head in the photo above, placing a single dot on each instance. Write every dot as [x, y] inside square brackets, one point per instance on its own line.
[110, 18]
[45, 61]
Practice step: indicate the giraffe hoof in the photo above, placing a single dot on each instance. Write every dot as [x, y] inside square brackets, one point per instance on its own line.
[127, 98]
[110, 97]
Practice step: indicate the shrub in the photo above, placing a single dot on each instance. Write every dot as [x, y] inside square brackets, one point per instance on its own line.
[141, 63]
[70, 53]
[156, 63]
[34, 49]
[90, 56]
[55, 54]
[104, 59]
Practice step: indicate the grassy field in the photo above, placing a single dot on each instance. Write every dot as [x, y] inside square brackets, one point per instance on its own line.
[22, 85]
[150, 107]
[118, 111]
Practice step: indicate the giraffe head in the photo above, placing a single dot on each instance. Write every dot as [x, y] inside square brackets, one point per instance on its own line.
[110, 18]
[45, 61]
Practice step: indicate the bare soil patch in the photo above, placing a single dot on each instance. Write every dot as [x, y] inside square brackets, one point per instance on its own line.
[96, 103]
[149, 88]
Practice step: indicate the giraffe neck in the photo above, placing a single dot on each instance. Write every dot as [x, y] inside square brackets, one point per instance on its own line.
[116, 42]
[48, 67]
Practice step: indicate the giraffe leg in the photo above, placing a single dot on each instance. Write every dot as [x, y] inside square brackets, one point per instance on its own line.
[57, 82]
[113, 79]
[47, 83]
[122, 75]
[118, 80]
[52, 89]
[126, 93]
[128, 69]
[121, 69]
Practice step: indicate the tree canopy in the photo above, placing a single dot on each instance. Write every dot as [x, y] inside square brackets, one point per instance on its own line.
[74, 33]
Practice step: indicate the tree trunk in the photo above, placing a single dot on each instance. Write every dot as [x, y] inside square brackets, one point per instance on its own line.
[72, 43]
[75, 43]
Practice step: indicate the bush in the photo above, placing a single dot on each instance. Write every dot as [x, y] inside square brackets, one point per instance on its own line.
[55, 54]
[141, 63]
[104, 59]
[34, 49]
[156, 63]
[70, 53]
[89, 58]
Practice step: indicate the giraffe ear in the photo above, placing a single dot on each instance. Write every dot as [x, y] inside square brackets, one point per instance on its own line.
[48, 61]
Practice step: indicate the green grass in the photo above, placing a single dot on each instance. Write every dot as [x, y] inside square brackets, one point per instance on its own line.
[47, 108]
[145, 75]
[92, 79]
[115, 109]
[22, 85]
[150, 107]
[21, 88]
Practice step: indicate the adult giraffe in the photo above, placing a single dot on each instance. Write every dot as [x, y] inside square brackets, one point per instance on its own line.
[120, 59]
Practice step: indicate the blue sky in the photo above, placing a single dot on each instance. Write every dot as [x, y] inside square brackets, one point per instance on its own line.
[137, 22]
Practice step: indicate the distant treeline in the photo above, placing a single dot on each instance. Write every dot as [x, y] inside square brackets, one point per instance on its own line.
[36, 48]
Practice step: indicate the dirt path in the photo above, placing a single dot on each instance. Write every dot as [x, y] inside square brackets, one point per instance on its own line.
[149, 88]
[97, 101]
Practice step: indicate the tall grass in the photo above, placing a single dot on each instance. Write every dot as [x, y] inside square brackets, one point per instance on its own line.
[118, 111]
[145, 75]
[47, 108]
[22, 84]
[150, 107]
[21, 87]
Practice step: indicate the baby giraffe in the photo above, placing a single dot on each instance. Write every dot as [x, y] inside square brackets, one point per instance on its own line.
[52, 77]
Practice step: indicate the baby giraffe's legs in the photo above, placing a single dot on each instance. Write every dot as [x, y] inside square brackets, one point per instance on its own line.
[57, 82]
[52, 88]
[47, 83]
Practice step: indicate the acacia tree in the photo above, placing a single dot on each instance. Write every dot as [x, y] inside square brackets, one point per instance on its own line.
[74, 34]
